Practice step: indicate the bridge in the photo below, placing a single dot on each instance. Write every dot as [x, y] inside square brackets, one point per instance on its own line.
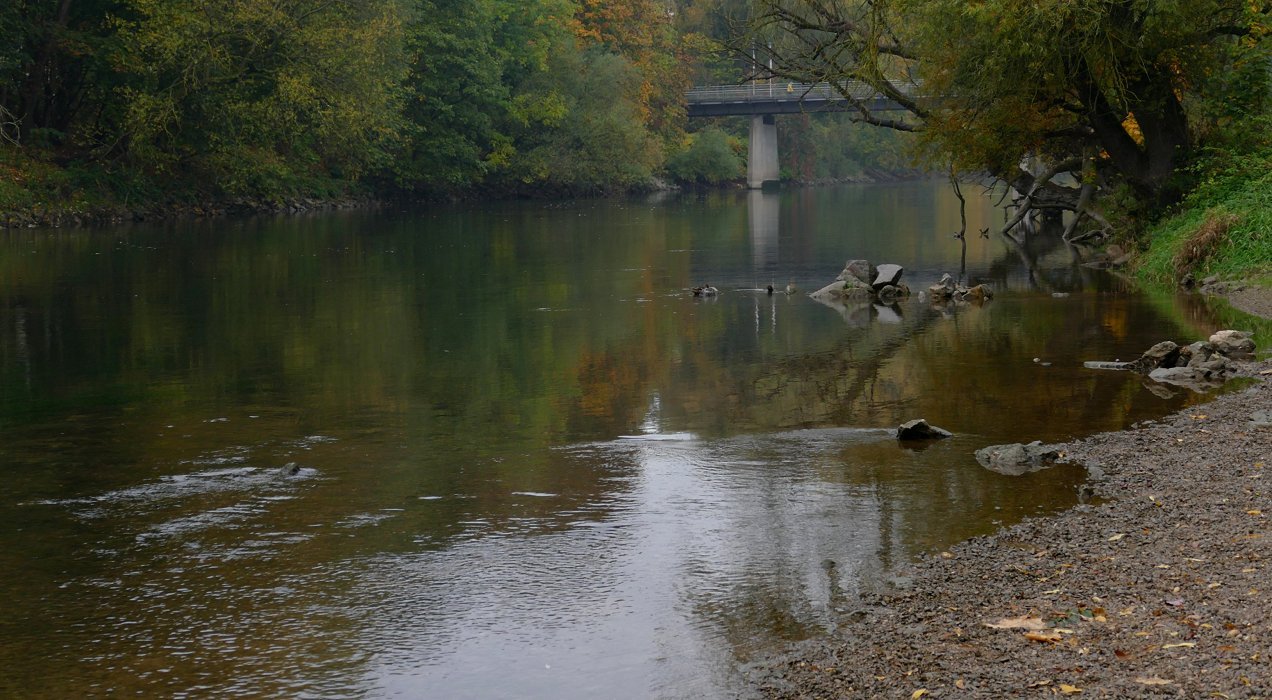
[763, 101]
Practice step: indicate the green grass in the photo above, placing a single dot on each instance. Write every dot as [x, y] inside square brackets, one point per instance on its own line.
[1223, 228]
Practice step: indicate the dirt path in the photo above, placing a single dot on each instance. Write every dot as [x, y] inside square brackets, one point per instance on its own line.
[1162, 589]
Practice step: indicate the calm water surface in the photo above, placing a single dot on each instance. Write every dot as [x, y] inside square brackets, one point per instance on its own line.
[531, 464]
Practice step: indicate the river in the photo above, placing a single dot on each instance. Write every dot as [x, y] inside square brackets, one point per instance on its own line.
[527, 462]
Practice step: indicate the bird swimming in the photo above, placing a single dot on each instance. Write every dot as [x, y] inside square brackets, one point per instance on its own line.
[705, 290]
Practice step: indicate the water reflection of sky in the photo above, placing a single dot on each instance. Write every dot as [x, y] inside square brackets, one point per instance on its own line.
[708, 550]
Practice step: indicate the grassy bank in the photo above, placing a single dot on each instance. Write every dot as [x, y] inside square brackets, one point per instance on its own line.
[38, 188]
[1224, 228]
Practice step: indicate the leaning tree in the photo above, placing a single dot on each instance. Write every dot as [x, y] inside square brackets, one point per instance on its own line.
[1104, 92]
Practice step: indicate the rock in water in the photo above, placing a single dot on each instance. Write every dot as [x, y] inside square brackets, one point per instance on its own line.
[918, 429]
[290, 469]
[1163, 354]
[860, 270]
[849, 288]
[887, 275]
[979, 293]
[1016, 459]
[943, 289]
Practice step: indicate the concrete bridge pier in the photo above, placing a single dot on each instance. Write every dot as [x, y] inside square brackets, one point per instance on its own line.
[761, 161]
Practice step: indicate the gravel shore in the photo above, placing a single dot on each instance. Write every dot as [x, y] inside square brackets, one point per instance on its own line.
[1160, 586]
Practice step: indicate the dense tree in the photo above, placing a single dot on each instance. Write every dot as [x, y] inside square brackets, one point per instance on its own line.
[598, 140]
[1109, 90]
[710, 157]
[255, 93]
[469, 61]
[55, 77]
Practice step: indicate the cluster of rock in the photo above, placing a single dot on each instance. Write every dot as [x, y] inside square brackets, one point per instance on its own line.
[862, 281]
[949, 290]
[1211, 285]
[1198, 366]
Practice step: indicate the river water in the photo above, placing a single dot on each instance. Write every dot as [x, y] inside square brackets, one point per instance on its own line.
[528, 462]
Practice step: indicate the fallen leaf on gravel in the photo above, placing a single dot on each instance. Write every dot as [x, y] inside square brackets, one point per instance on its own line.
[1042, 637]
[1254, 512]
[1152, 681]
[1176, 602]
[1117, 537]
[1022, 623]
[1039, 684]
[1199, 416]
[1069, 689]
[960, 684]
[1181, 644]
[918, 693]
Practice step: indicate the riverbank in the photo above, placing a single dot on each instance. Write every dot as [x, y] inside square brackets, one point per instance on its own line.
[1160, 586]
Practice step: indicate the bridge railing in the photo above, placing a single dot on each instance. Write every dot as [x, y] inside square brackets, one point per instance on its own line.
[777, 91]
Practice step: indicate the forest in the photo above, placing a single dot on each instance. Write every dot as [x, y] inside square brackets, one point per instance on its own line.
[157, 100]
[131, 103]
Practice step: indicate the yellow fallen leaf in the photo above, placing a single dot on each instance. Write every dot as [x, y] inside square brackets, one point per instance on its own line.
[1181, 644]
[1069, 689]
[1199, 416]
[1256, 511]
[1021, 623]
[1154, 680]
[1042, 637]
[1040, 684]
[1117, 537]
[918, 693]
[960, 684]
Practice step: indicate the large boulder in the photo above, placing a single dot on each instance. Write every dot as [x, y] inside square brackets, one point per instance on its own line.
[1016, 459]
[888, 294]
[1163, 354]
[1196, 354]
[858, 269]
[1233, 343]
[919, 429]
[888, 274]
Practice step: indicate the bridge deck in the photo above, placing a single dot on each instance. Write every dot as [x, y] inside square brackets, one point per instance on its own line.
[781, 98]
